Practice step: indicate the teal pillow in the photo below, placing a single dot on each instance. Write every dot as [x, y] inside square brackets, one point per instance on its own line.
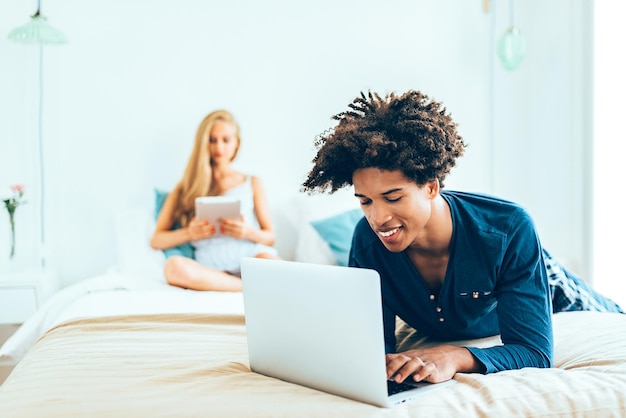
[186, 249]
[159, 196]
[337, 231]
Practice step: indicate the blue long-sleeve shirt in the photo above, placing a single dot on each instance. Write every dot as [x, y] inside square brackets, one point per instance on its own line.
[495, 283]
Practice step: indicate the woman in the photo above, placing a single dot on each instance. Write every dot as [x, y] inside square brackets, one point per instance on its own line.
[453, 265]
[209, 173]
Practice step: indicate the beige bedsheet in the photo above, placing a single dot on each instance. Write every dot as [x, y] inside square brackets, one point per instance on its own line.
[196, 366]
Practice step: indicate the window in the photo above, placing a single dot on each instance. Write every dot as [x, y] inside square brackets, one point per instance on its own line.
[609, 219]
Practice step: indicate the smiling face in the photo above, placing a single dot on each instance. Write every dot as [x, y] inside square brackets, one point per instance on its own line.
[223, 142]
[398, 210]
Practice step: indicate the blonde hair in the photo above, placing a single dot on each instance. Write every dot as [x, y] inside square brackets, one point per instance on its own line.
[197, 179]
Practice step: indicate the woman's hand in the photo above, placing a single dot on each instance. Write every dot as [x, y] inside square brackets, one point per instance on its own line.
[235, 228]
[435, 365]
[199, 229]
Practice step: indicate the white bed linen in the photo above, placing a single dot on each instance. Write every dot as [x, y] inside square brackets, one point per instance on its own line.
[114, 294]
[196, 365]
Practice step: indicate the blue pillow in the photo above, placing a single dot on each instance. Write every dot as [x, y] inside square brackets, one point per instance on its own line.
[337, 231]
[186, 249]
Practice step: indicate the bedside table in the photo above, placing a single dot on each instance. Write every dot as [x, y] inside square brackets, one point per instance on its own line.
[21, 294]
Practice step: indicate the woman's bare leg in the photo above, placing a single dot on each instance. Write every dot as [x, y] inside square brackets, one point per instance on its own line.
[266, 255]
[189, 274]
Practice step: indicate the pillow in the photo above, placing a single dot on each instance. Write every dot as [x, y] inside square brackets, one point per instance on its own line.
[337, 231]
[310, 247]
[186, 249]
[159, 199]
[135, 257]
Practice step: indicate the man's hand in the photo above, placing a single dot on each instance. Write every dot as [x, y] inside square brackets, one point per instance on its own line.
[435, 365]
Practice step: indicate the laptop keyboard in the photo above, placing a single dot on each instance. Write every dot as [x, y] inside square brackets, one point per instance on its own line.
[394, 387]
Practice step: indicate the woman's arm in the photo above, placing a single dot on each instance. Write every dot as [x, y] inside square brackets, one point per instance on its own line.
[164, 237]
[240, 229]
[264, 235]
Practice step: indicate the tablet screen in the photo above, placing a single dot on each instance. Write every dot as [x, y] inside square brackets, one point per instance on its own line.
[214, 208]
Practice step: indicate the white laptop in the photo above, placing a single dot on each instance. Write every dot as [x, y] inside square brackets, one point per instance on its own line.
[320, 326]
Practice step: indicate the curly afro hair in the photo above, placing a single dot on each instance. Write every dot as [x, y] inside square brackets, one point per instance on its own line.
[410, 133]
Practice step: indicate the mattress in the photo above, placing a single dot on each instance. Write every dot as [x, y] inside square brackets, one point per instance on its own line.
[195, 364]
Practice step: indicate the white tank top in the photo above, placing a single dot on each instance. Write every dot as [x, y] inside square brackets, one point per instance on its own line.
[225, 253]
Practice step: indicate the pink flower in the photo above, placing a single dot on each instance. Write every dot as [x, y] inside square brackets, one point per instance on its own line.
[12, 199]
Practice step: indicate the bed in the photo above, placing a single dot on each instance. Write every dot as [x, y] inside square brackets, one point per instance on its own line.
[125, 344]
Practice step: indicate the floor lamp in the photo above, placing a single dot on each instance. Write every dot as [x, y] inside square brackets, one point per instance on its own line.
[38, 32]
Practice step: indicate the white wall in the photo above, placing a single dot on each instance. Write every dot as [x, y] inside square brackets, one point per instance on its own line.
[123, 98]
[542, 126]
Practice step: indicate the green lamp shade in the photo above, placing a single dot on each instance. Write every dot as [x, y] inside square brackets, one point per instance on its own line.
[37, 31]
[512, 48]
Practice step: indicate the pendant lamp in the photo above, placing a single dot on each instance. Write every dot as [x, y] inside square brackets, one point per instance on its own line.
[37, 31]
[512, 45]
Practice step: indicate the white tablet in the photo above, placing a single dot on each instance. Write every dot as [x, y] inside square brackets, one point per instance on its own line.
[214, 208]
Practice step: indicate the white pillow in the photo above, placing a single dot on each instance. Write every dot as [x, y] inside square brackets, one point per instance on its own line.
[135, 257]
[310, 247]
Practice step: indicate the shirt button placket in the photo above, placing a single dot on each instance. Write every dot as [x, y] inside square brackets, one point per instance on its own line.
[437, 308]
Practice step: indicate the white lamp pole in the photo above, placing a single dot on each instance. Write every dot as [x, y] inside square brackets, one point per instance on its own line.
[38, 32]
